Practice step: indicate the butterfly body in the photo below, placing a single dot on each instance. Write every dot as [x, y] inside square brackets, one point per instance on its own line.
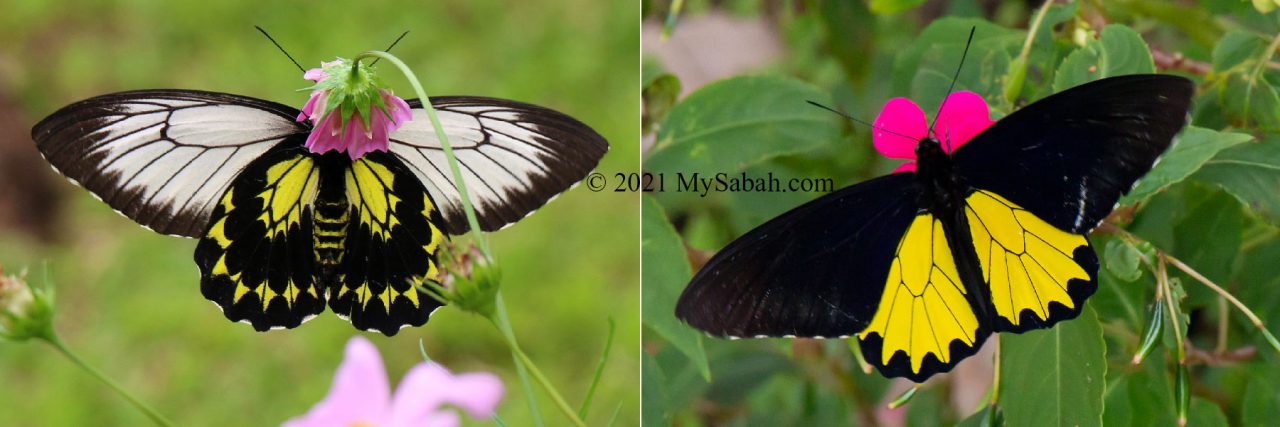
[982, 236]
[284, 232]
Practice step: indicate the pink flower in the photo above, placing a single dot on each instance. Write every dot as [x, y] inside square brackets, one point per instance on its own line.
[963, 116]
[372, 112]
[361, 395]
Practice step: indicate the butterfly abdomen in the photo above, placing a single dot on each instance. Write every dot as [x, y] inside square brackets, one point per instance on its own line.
[329, 231]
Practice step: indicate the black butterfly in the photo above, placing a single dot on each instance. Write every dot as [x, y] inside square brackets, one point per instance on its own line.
[284, 231]
[923, 266]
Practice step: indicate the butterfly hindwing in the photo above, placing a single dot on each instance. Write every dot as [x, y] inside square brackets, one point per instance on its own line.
[1037, 274]
[255, 258]
[814, 271]
[162, 157]
[393, 238]
[514, 157]
[924, 323]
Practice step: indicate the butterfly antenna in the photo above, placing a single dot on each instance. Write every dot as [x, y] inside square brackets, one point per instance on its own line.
[953, 82]
[857, 120]
[286, 53]
[393, 44]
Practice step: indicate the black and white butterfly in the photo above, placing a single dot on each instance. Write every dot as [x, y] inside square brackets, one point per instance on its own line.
[285, 231]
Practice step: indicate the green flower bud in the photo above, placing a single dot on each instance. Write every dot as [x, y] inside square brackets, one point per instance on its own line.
[25, 312]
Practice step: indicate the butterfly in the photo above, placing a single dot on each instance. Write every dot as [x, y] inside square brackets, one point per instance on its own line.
[283, 231]
[923, 265]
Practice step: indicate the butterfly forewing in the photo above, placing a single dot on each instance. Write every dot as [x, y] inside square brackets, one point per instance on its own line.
[162, 157]
[514, 157]
[813, 271]
[256, 259]
[1070, 156]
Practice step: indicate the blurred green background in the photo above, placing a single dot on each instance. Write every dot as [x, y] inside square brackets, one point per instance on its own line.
[129, 299]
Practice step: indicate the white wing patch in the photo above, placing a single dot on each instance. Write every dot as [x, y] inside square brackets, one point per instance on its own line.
[513, 156]
[164, 157]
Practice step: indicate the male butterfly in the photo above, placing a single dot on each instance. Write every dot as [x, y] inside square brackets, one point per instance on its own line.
[921, 266]
[285, 231]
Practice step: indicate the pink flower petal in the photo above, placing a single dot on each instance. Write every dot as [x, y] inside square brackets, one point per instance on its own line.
[360, 390]
[315, 74]
[964, 115]
[903, 118]
[309, 109]
[428, 386]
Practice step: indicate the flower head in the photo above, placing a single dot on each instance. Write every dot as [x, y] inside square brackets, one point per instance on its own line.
[361, 395]
[964, 116]
[25, 312]
[350, 109]
[472, 283]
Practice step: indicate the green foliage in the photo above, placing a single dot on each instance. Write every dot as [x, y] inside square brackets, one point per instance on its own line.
[1211, 202]
[1054, 376]
[666, 273]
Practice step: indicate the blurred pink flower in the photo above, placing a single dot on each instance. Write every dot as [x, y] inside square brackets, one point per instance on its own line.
[964, 116]
[361, 395]
[350, 113]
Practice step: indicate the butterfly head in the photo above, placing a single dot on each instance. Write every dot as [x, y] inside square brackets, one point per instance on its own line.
[902, 132]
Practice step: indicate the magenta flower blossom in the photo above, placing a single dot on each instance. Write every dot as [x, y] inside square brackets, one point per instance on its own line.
[964, 116]
[361, 395]
[350, 110]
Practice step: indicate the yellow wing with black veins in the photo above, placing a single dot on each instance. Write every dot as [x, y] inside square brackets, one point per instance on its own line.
[393, 236]
[924, 323]
[255, 258]
[1037, 274]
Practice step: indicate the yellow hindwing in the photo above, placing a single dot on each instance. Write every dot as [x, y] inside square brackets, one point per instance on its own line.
[923, 308]
[1027, 262]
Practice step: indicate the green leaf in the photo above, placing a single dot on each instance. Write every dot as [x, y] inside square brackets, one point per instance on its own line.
[884, 7]
[655, 411]
[1237, 49]
[1208, 239]
[1123, 260]
[850, 34]
[665, 275]
[1119, 50]
[1251, 173]
[1261, 405]
[1191, 149]
[1054, 376]
[947, 35]
[737, 122]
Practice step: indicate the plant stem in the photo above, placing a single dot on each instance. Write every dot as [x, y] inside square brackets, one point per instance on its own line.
[467, 208]
[57, 343]
[1162, 280]
[1253, 318]
[1031, 31]
[503, 323]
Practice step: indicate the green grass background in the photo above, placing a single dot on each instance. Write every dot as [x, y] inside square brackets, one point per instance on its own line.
[129, 299]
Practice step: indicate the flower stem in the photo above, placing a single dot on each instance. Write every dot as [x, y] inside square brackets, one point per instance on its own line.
[503, 323]
[57, 343]
[467, 207]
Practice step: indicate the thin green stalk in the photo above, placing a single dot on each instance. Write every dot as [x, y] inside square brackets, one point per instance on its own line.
[595, 378]
[57, 343]
[444, 144]
[504, 324]
[1162, 280]
[1253, 318]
